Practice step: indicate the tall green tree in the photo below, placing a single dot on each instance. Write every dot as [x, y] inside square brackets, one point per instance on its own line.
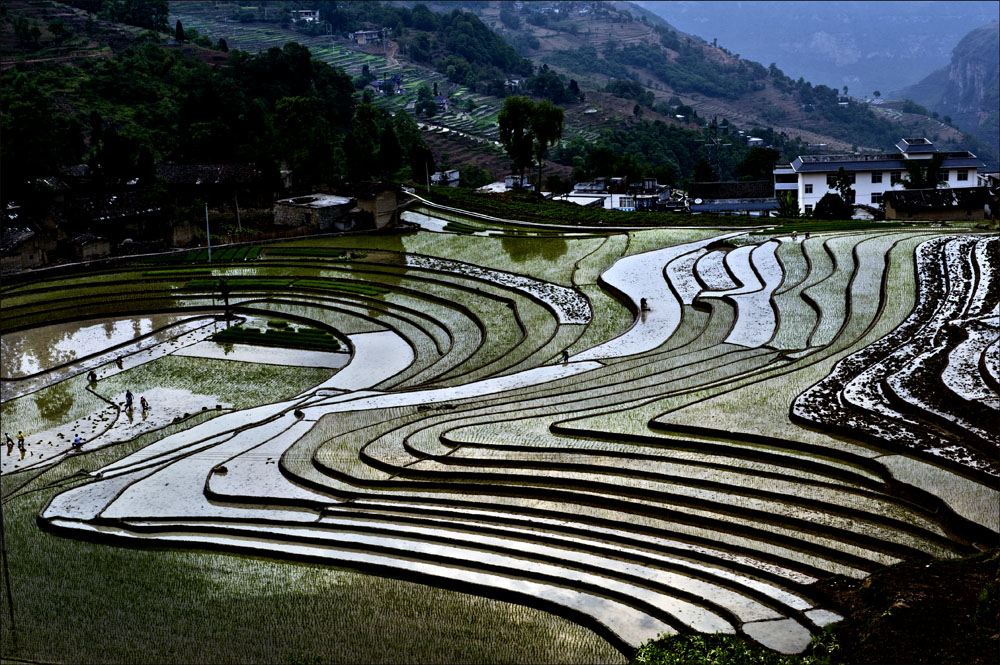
[546, 130]
[842, 183]
[426, 105]
[303, 140]
[36, 136]
[390, 154]
[788, 207]
[832, 206]
[703, 172]
[601, 162]
[924, 173]
[421, 164]
[758, 164]
[516, 136]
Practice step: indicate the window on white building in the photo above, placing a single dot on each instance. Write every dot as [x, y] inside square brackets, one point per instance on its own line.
[944, 176]
[877, 177]
[831, 179]
[895, 177]
[876, 198]
[809, 188]
[962, 175]
[809, 208]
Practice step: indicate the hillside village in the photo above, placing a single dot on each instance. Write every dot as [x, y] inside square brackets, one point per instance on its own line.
[84, 220]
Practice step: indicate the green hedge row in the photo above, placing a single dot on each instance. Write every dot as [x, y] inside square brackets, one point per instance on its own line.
[350, 287]
[201, 256]
[312, 339]
[459, 227]
[177, 273]
[241, 283]
[314, 251]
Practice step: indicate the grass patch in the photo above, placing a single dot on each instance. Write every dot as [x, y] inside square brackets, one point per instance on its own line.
[720, 649]
[243, 384]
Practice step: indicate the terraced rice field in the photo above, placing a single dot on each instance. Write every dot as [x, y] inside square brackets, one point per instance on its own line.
[513, 425]
[473, 125]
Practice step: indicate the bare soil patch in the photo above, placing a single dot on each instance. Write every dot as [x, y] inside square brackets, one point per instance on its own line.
[920, 612]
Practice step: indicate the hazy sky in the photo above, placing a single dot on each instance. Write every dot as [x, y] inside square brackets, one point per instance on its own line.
[866, 46]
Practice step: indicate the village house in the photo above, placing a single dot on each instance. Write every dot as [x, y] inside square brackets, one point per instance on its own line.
[518, 182]
[749, 197]
[619, 194]
[965, 203]
[88, 247]
[306, 15]
[378, 205]
[364, 37]
[871, 175]
[323, 212]
[448, 178]
[23, 247]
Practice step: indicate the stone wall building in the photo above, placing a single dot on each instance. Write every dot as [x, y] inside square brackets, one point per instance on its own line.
[88, 247]
[23, 248]
[324, 212]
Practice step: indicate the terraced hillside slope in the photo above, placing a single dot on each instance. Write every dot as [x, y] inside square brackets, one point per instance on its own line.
[611, 41]
[645, 432]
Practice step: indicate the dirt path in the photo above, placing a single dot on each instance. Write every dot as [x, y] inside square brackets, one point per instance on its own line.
[7, 63]
[391, 49]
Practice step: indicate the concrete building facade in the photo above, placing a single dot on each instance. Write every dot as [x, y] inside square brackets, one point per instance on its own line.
[811, 177]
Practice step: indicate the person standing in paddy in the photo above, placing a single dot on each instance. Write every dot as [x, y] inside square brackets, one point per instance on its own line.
[128, 399]
[143, 403]
[10, 443]
[20, 445]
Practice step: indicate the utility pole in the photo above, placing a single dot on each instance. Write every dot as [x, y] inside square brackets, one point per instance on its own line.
[427, 174]
[6, 568]
[208, 235]
[238, 213]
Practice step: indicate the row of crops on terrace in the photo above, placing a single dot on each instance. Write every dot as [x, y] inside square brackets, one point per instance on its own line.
[478, 121]
[281, 335]
[246, 253]
[512, 424]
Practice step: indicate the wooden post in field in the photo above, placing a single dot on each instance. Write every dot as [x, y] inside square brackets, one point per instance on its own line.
[208, 235]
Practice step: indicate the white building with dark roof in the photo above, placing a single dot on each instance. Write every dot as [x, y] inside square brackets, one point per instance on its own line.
[812, 176]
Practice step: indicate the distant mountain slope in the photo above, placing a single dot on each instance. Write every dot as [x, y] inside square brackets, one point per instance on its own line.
[968, 89]
[866, 46]
[597, 43]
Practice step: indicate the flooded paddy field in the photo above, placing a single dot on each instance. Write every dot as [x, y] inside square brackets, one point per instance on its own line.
[517, 448]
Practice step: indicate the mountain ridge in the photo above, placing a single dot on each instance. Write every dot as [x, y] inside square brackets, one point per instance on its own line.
[968, 88]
